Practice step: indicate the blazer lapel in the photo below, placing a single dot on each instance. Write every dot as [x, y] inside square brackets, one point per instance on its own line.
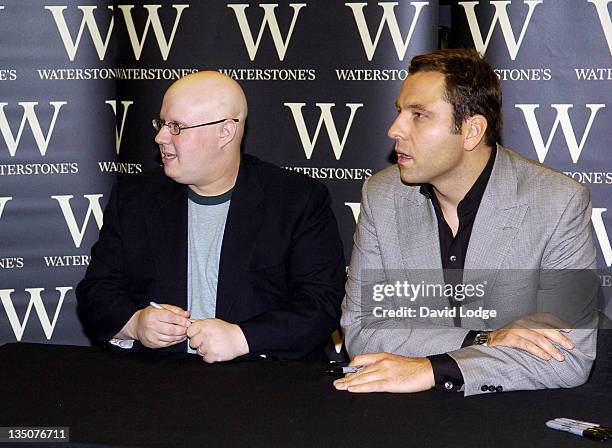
[244, 219]
[417, 233]
[497, 222]
[167, 229]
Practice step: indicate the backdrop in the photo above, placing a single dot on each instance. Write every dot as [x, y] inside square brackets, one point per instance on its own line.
[81, 80]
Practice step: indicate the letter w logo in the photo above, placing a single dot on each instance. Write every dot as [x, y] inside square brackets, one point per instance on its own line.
[119, 130]
[30, 116]
[3, 202]
[389, 18]
[36, 300]
[87, 20]
[604, 18]
[602, 235]
[327, 118]
[153, 20]
[94, 206]
[501, 16]
[562, 118]
[269, 19]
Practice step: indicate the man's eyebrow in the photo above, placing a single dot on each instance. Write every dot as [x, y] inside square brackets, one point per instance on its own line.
[416, 106]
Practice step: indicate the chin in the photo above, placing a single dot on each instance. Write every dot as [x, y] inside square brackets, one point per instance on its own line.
[172, 175]
[409, 178]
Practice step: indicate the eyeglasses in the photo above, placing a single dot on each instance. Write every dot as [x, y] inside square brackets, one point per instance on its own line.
[175, 128]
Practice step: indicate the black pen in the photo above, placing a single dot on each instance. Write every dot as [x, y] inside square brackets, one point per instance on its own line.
[343, 370]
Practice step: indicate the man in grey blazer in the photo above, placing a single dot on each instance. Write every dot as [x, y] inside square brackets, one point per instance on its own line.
[460, 210]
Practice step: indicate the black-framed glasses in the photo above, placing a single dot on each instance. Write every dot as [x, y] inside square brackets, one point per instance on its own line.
[175, 128]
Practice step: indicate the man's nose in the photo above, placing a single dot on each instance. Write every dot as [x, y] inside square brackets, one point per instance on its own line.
[163, 135]
[394, 130]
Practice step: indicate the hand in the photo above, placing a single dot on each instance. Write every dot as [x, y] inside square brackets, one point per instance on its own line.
[535, 334]
[156, 328]
[384, 372]
[217, 340]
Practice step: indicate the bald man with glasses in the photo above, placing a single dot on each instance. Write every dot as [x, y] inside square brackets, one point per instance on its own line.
[219, 254]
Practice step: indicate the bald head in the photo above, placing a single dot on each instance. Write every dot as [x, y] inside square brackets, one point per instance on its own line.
[204, 157]
[211, 92]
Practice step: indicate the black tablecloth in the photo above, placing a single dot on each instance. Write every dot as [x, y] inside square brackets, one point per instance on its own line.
[175, 399]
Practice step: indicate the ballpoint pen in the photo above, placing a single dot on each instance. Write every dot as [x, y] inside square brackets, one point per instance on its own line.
[159, 307]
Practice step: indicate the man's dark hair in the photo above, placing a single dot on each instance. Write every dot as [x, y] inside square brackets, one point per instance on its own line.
[472, 87]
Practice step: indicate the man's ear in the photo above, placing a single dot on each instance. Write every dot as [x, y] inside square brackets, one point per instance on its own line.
[474, 131]
[227, 132]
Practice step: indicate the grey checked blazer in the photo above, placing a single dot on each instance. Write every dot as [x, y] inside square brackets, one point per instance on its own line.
[531, 221]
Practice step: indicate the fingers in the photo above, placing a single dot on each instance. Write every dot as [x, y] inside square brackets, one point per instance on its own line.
[535, 342]
[367, 359]
[537, 334]
[552, 334]
[171, 329]
[176, 310]
[198, 339]
[550, 327]
[156, 340]
[373, 386]
[169, 316]
[166, 341]
[217, 340]
[365, 375]
[197, 327]
[540, 350]
[551, 320]
[161, 328]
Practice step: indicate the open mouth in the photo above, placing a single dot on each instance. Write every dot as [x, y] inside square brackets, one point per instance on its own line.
[403, 158]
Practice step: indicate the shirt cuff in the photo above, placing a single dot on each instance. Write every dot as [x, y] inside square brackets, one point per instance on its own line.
[469, 338]
[447, 375]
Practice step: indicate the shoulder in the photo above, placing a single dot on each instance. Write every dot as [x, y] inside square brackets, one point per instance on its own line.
[144, 188]
[281, 182]
[543, 183]
[385, 184]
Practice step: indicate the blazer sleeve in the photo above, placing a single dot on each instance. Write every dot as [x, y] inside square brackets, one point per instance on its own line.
[568, 287]
[103, 303]
[316, 281]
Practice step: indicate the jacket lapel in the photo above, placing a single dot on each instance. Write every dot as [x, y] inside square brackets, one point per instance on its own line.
[417, 233]
[497, 222]
[244, 219]
[167, 229]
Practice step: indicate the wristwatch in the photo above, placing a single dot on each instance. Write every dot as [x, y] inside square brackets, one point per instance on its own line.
[482, 338]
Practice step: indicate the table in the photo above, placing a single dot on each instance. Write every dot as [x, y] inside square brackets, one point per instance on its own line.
[174, 399]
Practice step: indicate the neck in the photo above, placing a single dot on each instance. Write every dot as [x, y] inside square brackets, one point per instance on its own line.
[452, 190]
[221, 184]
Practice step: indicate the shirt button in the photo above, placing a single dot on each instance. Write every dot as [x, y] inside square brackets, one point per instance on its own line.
[453, 258]
[448, 385]
[484, 388]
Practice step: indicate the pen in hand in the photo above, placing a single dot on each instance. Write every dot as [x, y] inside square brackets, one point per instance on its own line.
[159, 307]
[336, 371]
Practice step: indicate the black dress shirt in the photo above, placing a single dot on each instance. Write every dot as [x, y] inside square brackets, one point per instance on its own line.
[453, 250]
